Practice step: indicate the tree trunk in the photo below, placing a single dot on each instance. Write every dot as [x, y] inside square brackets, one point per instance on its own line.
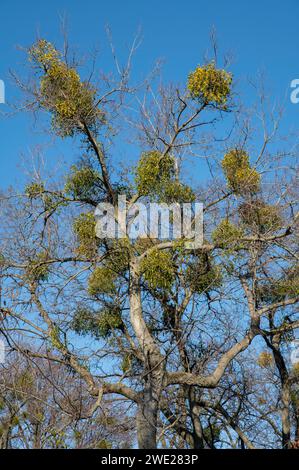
[285, 396]
[285, 416]
[153, 367]
[147, 419]
[198, 437]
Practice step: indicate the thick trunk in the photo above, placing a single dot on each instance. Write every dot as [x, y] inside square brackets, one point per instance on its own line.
[285, 416]
[145, 340]
[285, 397]
[285, 388]
[153, 367]
[198, 437]
[147, 419]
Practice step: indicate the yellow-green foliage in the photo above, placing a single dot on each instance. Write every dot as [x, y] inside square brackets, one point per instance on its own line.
[153, 172]
[119, 254]
[57, 439]
[103, 444]
[289, 286]
[210, 85]
[278, 289]
[226, 234]
[98, 324]
[37, 191]
[24, 382]
[174, 191]
[143, 244]
[55, 337]
[202, 275]
[84, 321]
[101, 281]
[241, 178]
[265, 359]
[295, 369]
[260, 217]
[266, 293]
[83, 183]
[294, 393]
[155, 177]
[108, 321]
[2, 260]
[71, 101]
[34, 190]
[126, 363]
[84, 228]
[38, 269]
[43, 53]
[158, 269]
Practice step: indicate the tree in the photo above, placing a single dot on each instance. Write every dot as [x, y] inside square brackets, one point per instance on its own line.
[163, 325]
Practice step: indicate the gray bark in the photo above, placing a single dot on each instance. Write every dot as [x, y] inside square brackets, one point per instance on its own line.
[147, 419]
[153, 368]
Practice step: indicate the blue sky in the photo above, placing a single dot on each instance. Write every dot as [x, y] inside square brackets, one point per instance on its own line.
[260, 35]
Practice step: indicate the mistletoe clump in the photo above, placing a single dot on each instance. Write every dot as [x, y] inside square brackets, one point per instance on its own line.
[103, 444]
[84, 322]
[143, 244]
[202, 275]
[295, 370]
[154, 171]
[34, 190]
[156, 177]
[43, 54]
[292, 281]
[23, 384]
[2, 260]
[260, 217]
[289, 285]
[265, 359]
[278, 289]
[288, 288]
[84, 229]
[109, 320]
[226, 234]
[267, 293]
[84, 183]
[99, 324]
[241, 178]
[71, 102]
[175, 191]
[210, 85]
[38, 268]
[158, 269]
[101, 281]
[119, 255]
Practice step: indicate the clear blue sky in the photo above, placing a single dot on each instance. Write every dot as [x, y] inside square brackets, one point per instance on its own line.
[260, 34]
